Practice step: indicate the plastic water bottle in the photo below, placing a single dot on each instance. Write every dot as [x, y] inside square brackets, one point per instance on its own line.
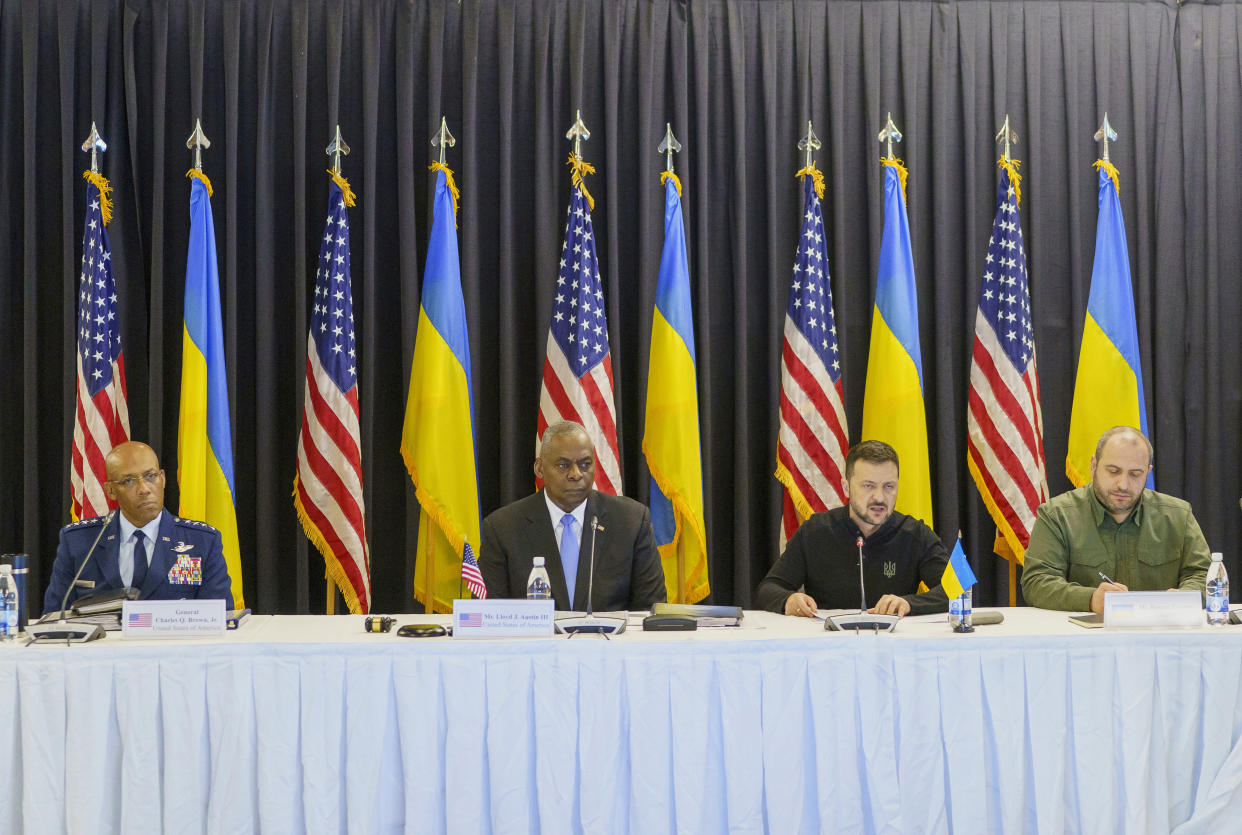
[8, 604]
[960, 612]
[1217, 592]
[538, 586]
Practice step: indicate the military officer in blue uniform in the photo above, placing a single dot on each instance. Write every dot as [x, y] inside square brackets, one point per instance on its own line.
[143, 545]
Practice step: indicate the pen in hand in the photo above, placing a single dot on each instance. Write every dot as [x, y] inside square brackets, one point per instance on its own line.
[1105, 577]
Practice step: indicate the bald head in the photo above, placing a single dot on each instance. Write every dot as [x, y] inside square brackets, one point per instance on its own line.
[1123, 437]
[135, 481]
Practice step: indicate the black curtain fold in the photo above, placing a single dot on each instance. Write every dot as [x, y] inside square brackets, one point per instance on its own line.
[738, 81]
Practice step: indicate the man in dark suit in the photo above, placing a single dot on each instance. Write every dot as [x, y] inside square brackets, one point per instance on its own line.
[143, 545]
[555, 523]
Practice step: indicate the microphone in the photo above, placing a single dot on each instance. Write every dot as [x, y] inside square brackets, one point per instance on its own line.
[77, 633]
[862, 606]
[591, 572]
[605, 626]
[863, 620]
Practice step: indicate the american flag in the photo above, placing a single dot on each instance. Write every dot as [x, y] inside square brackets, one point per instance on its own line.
[468, 619]
[141, 620]
[577, 371]
[812, 440]
[471, 574]
[328, 486]
[101, 419]
[1005, 429]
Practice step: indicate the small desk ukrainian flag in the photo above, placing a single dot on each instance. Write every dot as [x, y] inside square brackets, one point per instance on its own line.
[958, 575]
[671, 433]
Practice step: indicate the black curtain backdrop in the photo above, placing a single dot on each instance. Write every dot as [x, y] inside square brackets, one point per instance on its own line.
[738, 80]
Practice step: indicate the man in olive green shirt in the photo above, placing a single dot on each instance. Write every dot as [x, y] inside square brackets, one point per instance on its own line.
[1112, 534]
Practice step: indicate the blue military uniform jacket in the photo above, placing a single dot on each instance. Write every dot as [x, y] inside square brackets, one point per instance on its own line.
[187, 562]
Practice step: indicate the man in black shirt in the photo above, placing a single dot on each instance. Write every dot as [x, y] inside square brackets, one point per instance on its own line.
[898, 550]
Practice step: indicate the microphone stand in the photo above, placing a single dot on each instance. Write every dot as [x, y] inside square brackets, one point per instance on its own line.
[863, 620]
[606, 626]
[72, 633]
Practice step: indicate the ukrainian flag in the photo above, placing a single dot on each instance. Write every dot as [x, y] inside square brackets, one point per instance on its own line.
[437, 441]
[958, 575]
[893, 400]
[204, 436]
[1108, 391]
[671, 434]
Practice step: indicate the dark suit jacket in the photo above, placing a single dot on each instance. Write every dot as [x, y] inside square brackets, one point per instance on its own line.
[628, 574]
[177, 545]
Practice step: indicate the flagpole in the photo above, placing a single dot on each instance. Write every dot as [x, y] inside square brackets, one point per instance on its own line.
[95, 144]
[1008, 136]
[810, 143]
[197, 142]
[889, 135]
[1105, 135]
[336, 149]
[668, 146]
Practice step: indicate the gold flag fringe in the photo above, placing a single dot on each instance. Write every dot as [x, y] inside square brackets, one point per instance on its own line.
[1015, 179]
[665, 176]
[195, 174]
[581, 168]
[450, 182]
[817, 177]
[893, 162]
[347, 193]
[335, 571]
[100, 182]
[1111, 170]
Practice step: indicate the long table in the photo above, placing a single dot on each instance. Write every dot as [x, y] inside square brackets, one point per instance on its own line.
[307, 724]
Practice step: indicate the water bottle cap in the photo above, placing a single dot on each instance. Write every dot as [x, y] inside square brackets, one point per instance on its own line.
[538, 561]
[1217, 556]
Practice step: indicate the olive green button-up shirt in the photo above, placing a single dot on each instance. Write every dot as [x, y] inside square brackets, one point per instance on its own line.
[1075, 539]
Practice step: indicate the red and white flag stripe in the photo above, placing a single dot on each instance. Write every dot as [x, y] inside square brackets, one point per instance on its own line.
[1005, 433]
[587, 400]
[330, 474]
[811, 443]
[99, 423]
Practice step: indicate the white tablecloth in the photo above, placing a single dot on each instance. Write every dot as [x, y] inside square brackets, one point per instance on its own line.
[296, 724]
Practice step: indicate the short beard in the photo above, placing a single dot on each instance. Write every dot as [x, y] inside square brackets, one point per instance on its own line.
[1106, 500]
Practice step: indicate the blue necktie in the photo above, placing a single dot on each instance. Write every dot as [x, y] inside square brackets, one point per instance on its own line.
[140, 559]
[569, 554]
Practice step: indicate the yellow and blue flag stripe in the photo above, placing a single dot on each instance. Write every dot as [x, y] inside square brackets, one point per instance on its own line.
[1108, 390]
[671, 433]
[437, 439]
[893, 409]
[204, 435]
[958, 575]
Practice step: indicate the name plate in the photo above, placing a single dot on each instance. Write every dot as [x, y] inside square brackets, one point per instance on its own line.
[503, 618]
[1153, 609]
[171, 618]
